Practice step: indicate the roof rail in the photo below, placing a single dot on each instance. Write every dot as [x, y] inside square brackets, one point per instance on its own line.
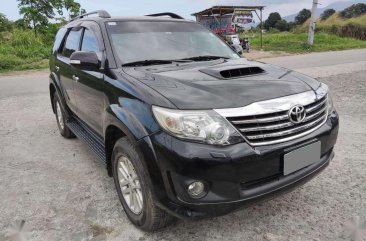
[172, 15]
[101, 14]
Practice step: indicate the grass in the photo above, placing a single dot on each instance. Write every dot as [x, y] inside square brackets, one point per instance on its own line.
[20, 50]
[297, 42]
[336, 20]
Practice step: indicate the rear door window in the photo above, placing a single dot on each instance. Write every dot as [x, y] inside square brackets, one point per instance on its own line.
[72, 42]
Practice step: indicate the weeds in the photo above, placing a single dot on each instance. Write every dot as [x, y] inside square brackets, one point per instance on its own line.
[20, 50]
[297, 42]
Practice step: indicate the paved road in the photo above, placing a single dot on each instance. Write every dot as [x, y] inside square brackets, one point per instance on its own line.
[324, 64]
[23, 83]
[62, 192]
[320, 59]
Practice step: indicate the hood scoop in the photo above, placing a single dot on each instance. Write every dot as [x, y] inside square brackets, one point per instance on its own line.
[230, 72]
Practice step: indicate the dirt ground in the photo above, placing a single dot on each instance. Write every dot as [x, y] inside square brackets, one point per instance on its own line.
[257, 54]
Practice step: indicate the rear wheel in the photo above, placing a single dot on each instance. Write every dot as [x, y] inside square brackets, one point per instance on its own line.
[60, 118]
[134, 190]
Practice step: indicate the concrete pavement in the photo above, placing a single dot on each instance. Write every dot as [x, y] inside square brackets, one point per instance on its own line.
[324, 64]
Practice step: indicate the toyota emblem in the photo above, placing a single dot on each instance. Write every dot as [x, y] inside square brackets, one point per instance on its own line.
[297, 114]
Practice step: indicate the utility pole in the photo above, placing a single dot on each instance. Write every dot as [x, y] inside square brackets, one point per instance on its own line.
[312, 23]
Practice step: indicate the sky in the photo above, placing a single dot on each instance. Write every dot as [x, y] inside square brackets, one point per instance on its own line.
[182, 7]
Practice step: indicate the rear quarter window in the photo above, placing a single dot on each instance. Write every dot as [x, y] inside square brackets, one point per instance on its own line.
[58, 39]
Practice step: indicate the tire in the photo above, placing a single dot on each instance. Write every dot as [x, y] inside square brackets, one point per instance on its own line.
[148, 217]
[60, 118]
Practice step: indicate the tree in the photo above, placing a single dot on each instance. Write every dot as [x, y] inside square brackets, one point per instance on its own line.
[303, 15]
[73, 8]
[5, 24]
[271, 21]
[354, 11]
[327, 13]
[21, 23]
[38, 12]
[282, 25]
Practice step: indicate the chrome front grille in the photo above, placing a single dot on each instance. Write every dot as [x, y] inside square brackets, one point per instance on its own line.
[276, 127]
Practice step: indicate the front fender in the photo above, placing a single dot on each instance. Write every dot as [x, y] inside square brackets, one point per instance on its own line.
[133, 117]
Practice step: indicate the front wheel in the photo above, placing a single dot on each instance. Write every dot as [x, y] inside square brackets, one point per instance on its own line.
[134, 190]
[60, 118]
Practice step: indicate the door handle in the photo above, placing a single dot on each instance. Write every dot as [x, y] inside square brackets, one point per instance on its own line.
[57, 68]
[74, 77]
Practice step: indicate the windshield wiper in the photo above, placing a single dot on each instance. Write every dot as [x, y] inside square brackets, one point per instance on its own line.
[167, 61]
[205, 58]
[148, 62]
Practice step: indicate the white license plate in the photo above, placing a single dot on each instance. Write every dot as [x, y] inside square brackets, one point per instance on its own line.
[300, 158]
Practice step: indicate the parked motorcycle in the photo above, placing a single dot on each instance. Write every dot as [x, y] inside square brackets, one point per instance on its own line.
[245, 44]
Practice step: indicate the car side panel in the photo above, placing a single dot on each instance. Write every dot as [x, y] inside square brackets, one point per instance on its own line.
[66, 82]
[89, 96]
[89, 89]
[133, 113]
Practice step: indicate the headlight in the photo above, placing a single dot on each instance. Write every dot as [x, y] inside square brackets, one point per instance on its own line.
[202, 126]
[324, 90]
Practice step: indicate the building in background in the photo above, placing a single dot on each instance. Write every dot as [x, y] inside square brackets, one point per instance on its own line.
[228, 20]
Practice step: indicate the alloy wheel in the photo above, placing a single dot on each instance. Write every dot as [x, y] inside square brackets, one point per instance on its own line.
[130, 185]
[60, 117]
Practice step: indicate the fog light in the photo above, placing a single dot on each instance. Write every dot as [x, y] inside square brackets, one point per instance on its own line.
[197, 189]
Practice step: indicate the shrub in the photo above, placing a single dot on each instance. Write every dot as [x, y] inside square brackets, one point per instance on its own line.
[5, 24]
[273, 30]
[271, 21]
[334, 29]
[9, 61]
[353, 30]
[354, 11]
[327, 13]
[19, 49]
[13, 62]
[303, 15]
[282, 25]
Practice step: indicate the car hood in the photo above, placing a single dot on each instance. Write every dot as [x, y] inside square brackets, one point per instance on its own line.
[200, 85]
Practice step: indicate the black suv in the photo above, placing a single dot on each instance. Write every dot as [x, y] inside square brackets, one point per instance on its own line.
[185, 126]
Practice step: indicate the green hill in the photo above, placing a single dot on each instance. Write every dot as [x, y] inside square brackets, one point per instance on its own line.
[344, 27]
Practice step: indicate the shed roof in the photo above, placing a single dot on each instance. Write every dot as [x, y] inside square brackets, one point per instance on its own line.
[222, 10]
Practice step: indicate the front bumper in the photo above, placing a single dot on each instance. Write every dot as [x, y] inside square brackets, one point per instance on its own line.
[236, 175]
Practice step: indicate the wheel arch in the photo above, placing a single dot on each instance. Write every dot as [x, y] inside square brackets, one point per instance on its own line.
[52, 94]
[55, 87]
[121, 121]
[112, 135]
[117, 126]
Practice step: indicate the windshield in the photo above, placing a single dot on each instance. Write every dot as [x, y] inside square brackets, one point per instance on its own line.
[164, 40]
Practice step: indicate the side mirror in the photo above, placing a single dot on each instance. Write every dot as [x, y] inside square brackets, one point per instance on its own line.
[85, 60]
